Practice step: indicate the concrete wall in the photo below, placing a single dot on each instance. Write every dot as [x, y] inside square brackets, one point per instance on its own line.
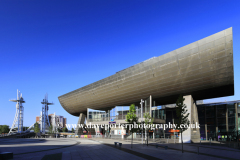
[191, 134]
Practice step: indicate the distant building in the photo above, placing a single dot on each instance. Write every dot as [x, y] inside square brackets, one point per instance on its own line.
[55, 119]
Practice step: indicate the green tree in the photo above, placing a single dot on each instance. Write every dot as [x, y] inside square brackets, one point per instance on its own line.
[132, 119]
[25, 128]
[182, 121]
[59, 130]
[73, 130]
[36, 128]
[4, 129]
[65, 129]
[50, 129]
[148, 122]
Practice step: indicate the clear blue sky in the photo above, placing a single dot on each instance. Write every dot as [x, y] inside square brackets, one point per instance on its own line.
[58, 46]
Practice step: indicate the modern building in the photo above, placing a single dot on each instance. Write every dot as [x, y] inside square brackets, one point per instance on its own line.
[198, 71]
[55, 120]
[219, 121]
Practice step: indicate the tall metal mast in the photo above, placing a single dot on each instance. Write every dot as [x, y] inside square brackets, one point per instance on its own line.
[18, 120]
[44, 119]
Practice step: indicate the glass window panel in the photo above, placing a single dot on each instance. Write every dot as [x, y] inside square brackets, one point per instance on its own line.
[231, 129]
[222, 128]
[202, 132]
[211, 129]
[211, 132]
[231, 121]
[174, 114]
[221, 121]
[163, 114]
[96, 115]
[157, 115]
[201, 112]
[202, 120]
[221, 111]
[210, 121]
[231, 110]
[116, 112]
[90, 116]
[169, 116]
[210, 111]
[125, 110]
[153, 114]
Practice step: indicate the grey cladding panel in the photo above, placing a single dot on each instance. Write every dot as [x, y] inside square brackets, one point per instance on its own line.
[203, 68]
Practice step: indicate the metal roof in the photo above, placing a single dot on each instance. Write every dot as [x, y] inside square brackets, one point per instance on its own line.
[203, 69]
[218, 103]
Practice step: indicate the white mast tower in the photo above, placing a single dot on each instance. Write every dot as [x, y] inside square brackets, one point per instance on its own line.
[18, 120]
[44, 115]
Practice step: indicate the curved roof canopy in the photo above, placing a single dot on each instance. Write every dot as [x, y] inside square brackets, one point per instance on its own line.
[203, 69]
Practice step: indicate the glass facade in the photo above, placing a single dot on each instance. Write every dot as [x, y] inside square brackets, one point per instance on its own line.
[120, 112]
[117, 113]
[158, 113]
[219, 121]
[170, 118]
[97, 115]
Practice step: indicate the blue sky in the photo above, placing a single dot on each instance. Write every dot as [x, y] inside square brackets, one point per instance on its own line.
[58, 46]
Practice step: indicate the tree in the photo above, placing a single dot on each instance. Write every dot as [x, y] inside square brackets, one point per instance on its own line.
[4, 129]
[65, 129]
[59, 130]
[182, 121]
[73, 130]
[148, 122]
[132, 119]
[36, 128]
[50, 129]
[25, 128]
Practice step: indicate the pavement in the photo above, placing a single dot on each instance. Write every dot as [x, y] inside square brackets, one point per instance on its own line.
[99, 149]
[174, 151]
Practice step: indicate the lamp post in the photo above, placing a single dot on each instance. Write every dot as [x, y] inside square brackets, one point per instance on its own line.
[142, 117]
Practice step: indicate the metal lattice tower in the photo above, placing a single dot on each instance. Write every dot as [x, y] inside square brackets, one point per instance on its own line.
[44, 115]
[18, 120]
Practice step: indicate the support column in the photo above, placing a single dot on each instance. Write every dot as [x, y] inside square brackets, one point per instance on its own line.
[191, 134]
[81, 120]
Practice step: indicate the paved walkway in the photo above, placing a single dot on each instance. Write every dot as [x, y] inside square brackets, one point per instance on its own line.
[62, 148]
[99, 149]
[174, 150]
